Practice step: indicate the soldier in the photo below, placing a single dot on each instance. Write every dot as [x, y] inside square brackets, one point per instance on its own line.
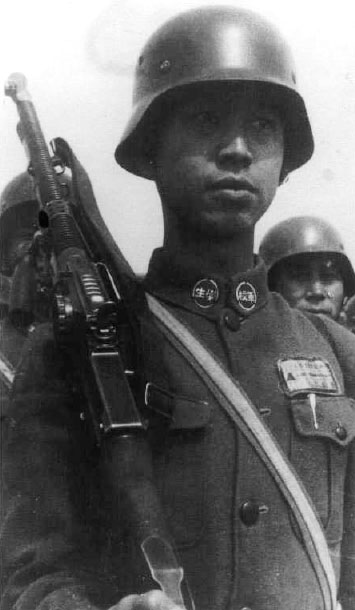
[25, 279]
[18, 222]
[307, 264]
[217, 123]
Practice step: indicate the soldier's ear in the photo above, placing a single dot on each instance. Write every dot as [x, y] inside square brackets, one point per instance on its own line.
[151, 169]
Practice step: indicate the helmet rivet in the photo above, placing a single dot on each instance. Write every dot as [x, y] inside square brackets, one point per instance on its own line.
[165, 65]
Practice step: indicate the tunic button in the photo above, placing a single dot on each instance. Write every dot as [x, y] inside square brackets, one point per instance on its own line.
[250, 512]
[231, 319]
[341, 432]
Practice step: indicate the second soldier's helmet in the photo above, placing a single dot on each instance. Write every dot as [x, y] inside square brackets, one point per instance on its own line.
[305, 235]
[213, 45]
[18, 210]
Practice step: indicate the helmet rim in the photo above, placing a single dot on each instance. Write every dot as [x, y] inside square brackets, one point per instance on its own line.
[130, 154]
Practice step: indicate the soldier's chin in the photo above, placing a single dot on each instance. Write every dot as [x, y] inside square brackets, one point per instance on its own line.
[227, 223]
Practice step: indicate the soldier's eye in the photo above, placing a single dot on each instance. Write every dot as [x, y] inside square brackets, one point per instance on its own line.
[329, 275]
[329, 271]
[206, 120]
[300, 275]
[264, 124]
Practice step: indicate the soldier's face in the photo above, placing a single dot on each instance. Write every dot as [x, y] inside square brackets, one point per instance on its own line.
[219, 160]
[312, 283]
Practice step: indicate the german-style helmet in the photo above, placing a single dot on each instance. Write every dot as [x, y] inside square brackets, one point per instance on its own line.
[18, 209]
[306, 235]
[213, 45]
[19, 190]
[18, 204]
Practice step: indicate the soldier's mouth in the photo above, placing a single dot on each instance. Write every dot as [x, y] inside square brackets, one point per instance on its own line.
[318, 310]
[232, 184]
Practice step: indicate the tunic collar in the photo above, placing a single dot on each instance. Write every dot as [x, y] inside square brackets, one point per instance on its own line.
[177, 283]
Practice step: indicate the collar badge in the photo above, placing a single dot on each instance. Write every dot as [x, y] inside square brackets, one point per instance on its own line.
[205, 293]
[245, 295]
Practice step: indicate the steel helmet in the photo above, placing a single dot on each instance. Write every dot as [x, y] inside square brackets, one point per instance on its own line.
[306, 234]
[206, 45]
[18, 209]
[19, 190]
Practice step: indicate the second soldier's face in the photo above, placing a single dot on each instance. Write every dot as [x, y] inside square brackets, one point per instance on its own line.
[219, 160]
[313, 283]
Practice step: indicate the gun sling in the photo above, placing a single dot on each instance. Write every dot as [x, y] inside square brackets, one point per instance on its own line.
[244, 414]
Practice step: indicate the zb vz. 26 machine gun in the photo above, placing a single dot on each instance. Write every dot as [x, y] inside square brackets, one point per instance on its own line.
[95, 294]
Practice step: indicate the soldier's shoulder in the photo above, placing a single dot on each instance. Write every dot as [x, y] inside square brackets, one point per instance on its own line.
[342, 341]
[341, 335]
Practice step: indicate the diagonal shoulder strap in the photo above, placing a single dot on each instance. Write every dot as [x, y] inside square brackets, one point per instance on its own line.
[242, 411]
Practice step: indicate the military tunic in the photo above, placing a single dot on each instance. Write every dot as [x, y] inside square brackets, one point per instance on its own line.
[237, 539]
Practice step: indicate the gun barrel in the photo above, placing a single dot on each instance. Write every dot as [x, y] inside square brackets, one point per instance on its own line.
[34, 140]
[68, 244]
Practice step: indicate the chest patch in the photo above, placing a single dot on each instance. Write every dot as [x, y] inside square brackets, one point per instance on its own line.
[306, 375]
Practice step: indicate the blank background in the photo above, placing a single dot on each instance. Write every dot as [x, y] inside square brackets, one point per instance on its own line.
[79, 55]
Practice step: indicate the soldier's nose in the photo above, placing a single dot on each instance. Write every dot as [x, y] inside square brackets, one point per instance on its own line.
[235, 150]
[316, 291]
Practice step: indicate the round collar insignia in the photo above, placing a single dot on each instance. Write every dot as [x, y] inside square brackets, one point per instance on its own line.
[245, 295]
[205, 293]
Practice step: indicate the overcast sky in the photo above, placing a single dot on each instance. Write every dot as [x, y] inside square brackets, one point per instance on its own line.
[78, 57]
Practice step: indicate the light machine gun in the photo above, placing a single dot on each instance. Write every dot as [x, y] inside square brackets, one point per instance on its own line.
[91, 299]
